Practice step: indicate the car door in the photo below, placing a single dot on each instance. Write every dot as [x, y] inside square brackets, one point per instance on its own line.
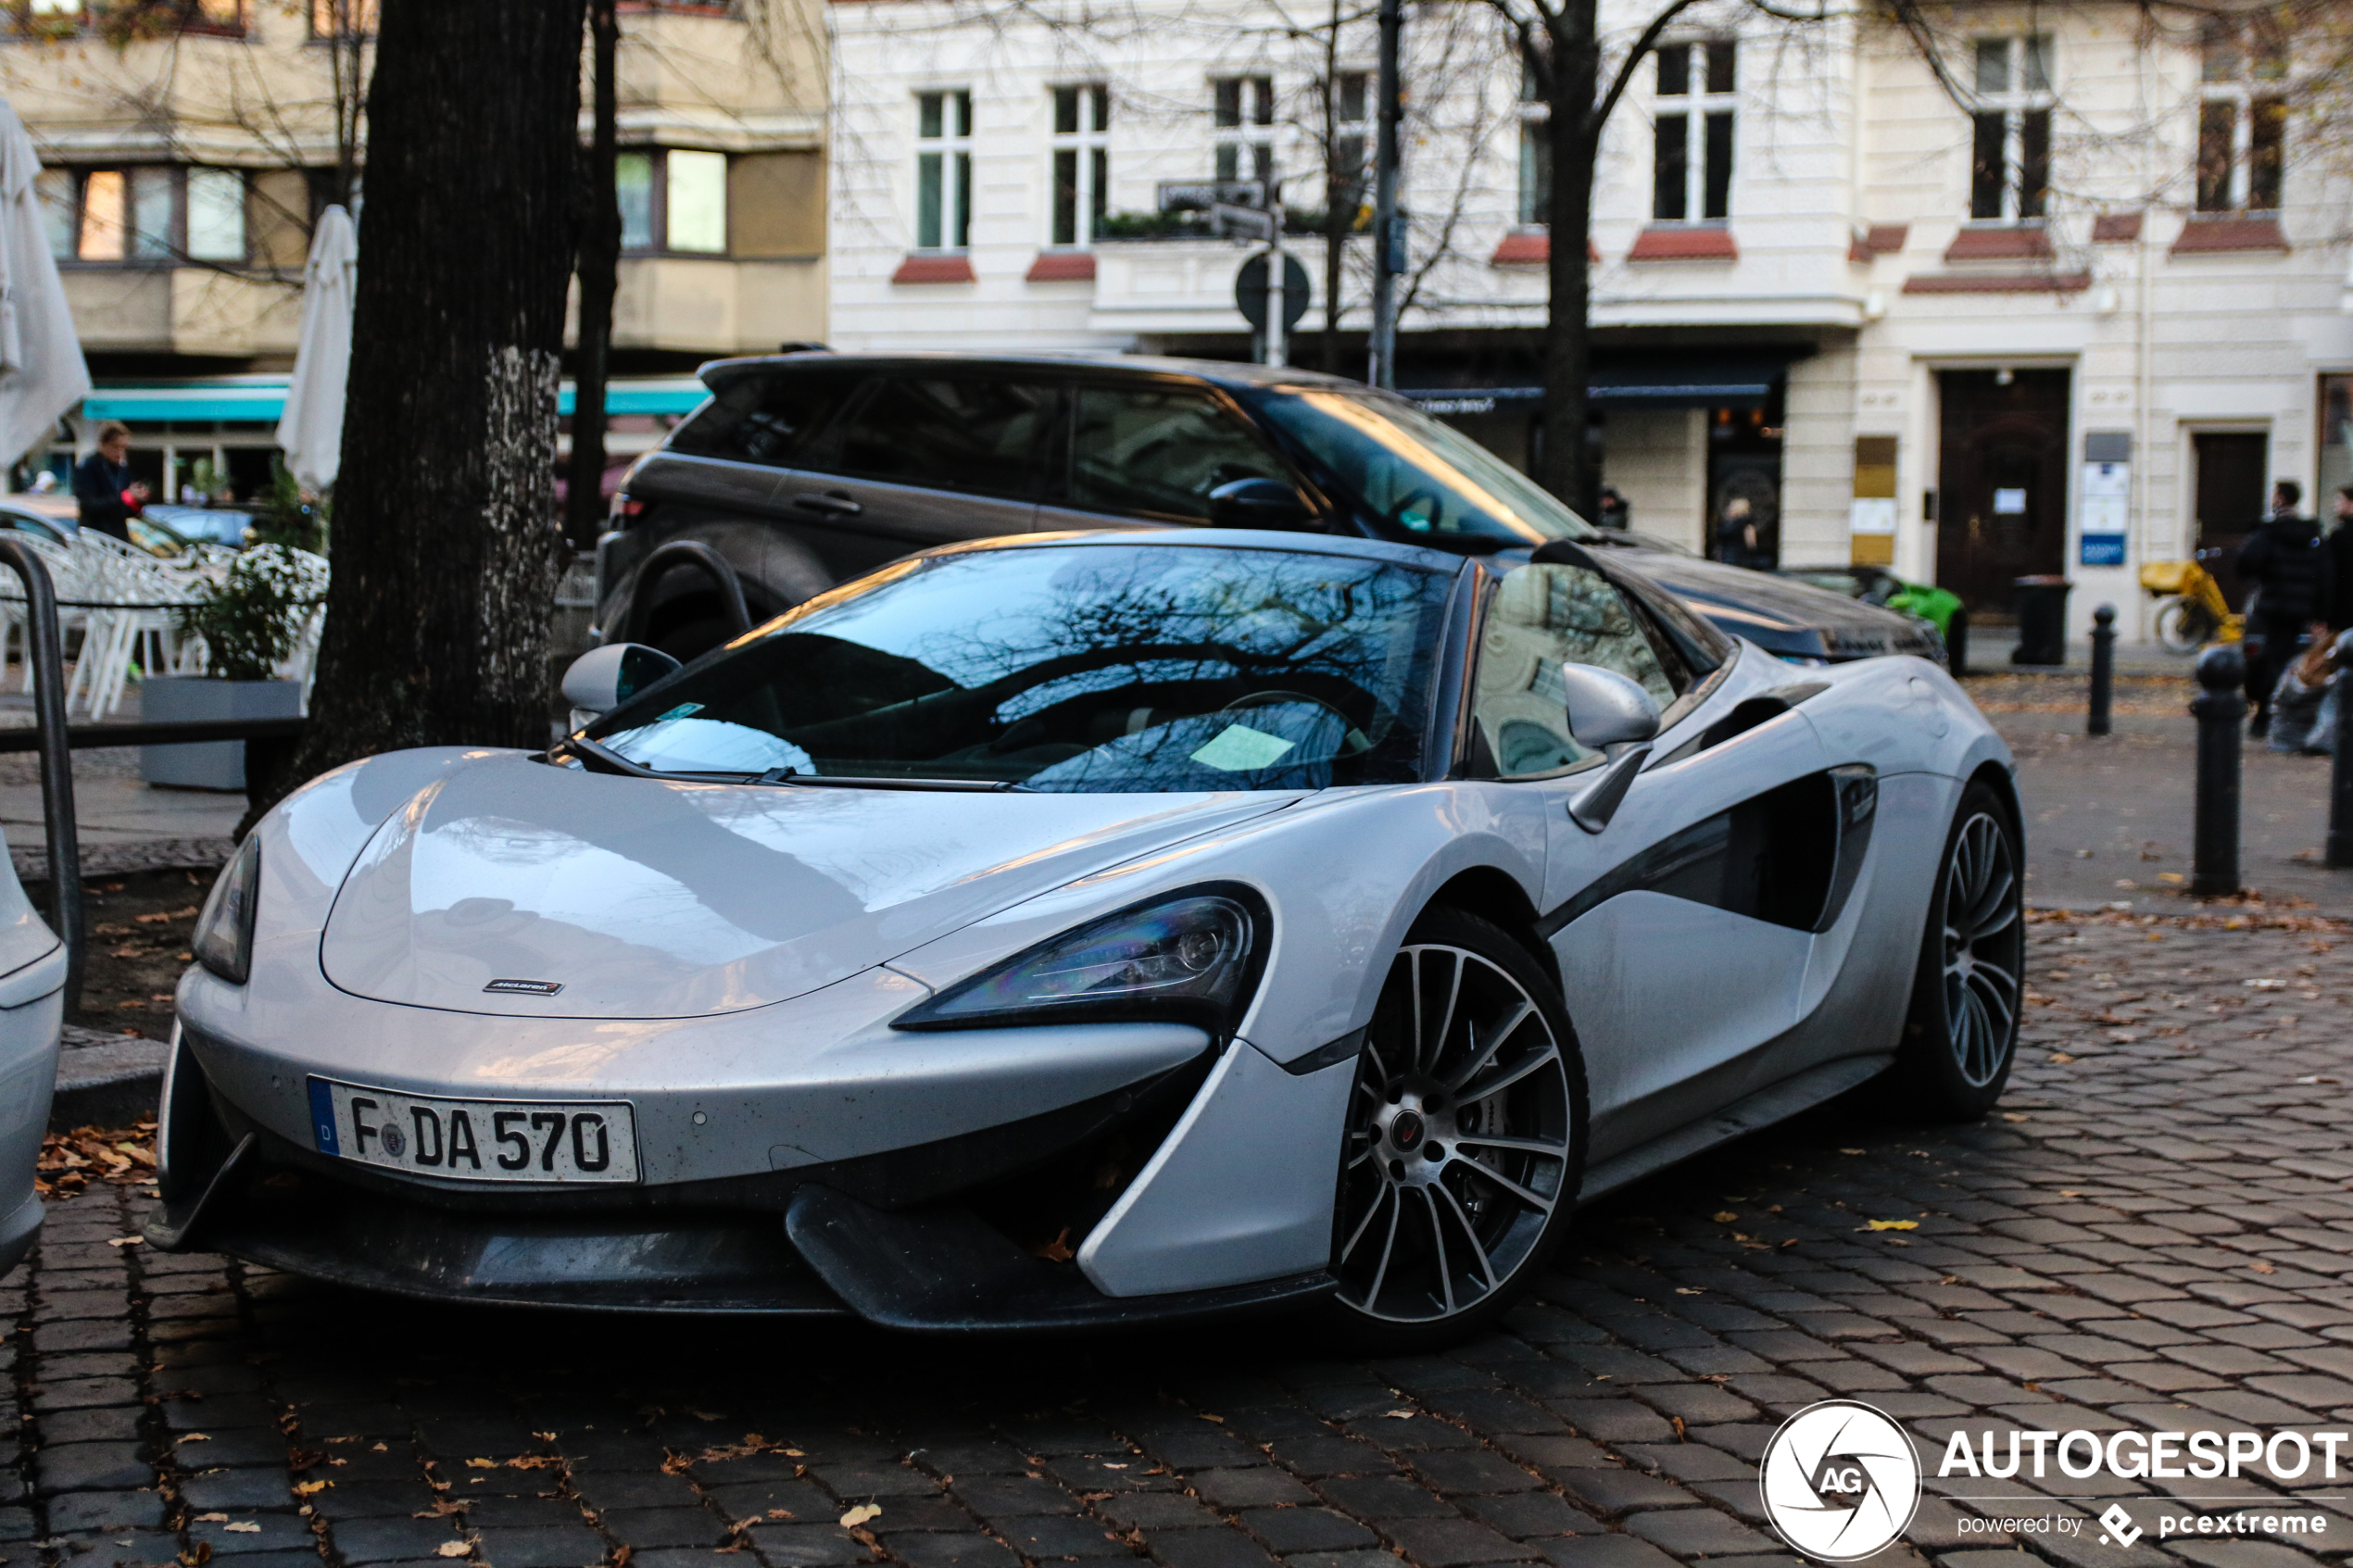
[1150, 452]
[923, 458]
[1678, 947]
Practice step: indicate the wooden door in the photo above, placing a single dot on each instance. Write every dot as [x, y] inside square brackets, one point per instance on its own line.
[2231, 496]
[2001, 483]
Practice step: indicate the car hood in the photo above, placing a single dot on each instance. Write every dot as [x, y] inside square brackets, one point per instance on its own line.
[1783, 617]
[640, 899]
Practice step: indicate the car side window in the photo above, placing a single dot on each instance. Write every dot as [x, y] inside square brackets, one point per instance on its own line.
[1542, 617]
[761, 418]
[948, 432]
[1158, 452]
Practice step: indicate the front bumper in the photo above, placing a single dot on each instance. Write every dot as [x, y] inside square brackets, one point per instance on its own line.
[976, 1231]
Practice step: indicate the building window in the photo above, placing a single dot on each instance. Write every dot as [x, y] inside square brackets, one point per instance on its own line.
[943, 170]
[1243, 118]
[2242, 116]
[672, 200]
[1351, 99]
[149, 215]
[64, 19]
[2010, 129]
[1696, 91]
[343, 19]
[1535, 147]
[1082, 163]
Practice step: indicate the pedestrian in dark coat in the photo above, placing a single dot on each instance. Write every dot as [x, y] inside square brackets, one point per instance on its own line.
[2340, 613]
[103, 486]
[2292, 571]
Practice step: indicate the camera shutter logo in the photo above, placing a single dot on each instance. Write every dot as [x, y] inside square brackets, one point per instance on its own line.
[1840, 1480]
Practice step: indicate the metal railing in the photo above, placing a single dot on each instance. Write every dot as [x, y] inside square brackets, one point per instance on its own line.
[46, 650]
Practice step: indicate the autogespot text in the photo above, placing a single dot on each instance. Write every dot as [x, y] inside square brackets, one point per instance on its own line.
[2150, 1456]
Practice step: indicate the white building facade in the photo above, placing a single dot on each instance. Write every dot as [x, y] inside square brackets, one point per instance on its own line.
[2070, 309]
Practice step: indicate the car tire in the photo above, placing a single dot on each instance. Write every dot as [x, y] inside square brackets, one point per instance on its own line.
[1960, 1035]
[1450, 1198]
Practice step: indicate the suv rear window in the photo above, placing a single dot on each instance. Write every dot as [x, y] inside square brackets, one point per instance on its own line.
[950, 432]
[762, 418]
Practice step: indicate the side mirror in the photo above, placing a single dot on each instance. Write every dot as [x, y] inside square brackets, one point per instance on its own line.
[1606, 709]
[1257, 502]
[1614, 715]
[602, 679]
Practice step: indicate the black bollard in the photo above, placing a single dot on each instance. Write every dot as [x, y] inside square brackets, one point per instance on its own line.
[2103, 669]
[2219, 709]
[2340, 848]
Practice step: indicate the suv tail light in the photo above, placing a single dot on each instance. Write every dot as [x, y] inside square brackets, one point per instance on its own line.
[626, 509]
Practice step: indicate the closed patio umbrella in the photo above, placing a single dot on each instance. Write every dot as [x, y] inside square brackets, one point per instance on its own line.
[42, 371]
[311, 428]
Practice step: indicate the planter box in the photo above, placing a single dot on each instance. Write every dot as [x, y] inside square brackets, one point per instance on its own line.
[187, 699]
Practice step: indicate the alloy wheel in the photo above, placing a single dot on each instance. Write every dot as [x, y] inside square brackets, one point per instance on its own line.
[1459, 1131]
[1984, 949]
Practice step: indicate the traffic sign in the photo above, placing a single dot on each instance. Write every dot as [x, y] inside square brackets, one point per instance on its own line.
[1249, 291]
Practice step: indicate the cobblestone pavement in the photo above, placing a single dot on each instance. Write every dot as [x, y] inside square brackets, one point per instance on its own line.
[2155, 1232]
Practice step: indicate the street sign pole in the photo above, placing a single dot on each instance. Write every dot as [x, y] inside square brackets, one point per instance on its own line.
[1278, 338]
[1387, 261]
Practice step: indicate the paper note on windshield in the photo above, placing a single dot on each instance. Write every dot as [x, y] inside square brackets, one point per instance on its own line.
[1240, 750]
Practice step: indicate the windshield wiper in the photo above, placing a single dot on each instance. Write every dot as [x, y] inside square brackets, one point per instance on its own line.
[600, 759]
[843, 781]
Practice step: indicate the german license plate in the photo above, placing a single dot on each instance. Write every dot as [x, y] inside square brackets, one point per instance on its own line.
[488, 1140]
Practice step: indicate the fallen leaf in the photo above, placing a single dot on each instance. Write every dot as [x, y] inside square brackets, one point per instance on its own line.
[2263, 1268]
[708, 1415]
[211, 1518]
[243, 1527]
[1725, 1217]
[481, 1464]
[195, 1437]
[310, 1488]
[1892, 1225]
[2013, 1115]
[780, 1514]
[2060, 1058]
[860, 1515]
[2266, 984]
[126, 1240]
[453, 1548]
[1057, 1250]
[1688, 1290]
[1399, 1415]
[1851, 1151]
[377, 1449]
[1206, 1416]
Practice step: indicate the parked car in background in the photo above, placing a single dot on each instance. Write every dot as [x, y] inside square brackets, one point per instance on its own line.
[806, 470]
[1940, 607]
[33, 978]
[45, 516]
[209, 525]
[993, 943]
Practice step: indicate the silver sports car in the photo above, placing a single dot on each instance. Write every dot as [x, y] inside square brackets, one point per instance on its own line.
[1094, 928]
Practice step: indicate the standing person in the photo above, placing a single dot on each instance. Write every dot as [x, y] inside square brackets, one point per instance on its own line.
[2291, 570]
[1736, 533]
[1615, 512]
[102, 484]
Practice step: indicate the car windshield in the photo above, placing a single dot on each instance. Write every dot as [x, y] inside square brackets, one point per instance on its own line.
[1090, 668]
[1418, 476]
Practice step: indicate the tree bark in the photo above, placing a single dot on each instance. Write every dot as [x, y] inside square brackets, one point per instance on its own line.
[1573, 83]
[445, 541]
[598, 266]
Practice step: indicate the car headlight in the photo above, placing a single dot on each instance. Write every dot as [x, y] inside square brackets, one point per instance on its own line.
[225, 930]
[1190, 957]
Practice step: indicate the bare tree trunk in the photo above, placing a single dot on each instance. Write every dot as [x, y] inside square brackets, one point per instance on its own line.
[347, 66]
[1575, 132]
[599, 265]
[445, 541]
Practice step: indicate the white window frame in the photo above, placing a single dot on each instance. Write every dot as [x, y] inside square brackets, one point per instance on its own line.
[1696, 107]
[1535, 120]
[953, 148]
[2021, 96]
[1254, 135]
[1089, 147]
[2242, 89]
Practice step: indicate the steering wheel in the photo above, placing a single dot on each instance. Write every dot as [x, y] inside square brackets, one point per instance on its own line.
[1353, 741]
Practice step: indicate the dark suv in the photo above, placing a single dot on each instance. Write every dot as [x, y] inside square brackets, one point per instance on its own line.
[804, 470]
